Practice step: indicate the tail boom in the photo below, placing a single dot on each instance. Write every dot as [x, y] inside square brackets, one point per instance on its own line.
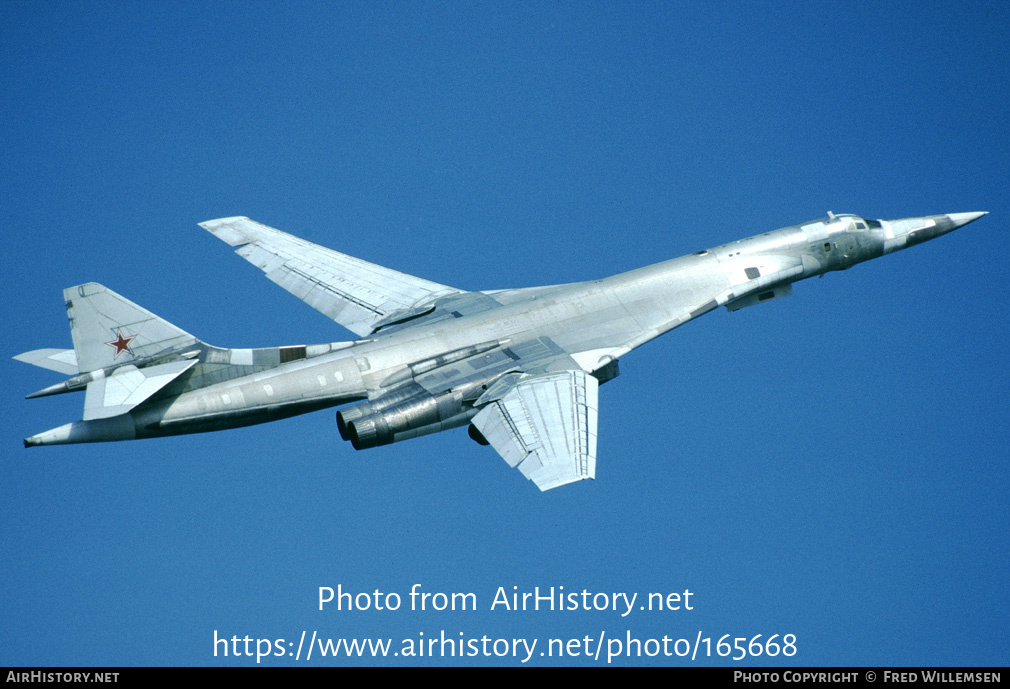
[120, 427]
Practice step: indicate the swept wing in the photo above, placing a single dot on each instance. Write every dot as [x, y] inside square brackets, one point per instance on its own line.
[544, 424]
[356, 294]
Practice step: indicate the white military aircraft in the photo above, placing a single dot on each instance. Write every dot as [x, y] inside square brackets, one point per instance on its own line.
[521, 367]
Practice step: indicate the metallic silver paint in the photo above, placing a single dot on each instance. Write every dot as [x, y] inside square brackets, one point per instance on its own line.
[513, 363]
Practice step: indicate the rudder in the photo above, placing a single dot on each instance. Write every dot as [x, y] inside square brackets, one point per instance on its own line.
[109, 329]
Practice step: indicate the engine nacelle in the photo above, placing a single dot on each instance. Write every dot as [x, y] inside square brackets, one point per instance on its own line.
[407, 412]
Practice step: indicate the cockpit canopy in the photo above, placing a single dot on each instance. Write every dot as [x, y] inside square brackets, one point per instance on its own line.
[857, 222]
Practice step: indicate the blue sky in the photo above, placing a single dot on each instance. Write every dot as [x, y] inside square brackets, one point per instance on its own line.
[832, 466]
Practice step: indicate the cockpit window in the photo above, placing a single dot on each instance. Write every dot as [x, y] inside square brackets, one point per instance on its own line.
[860, 225]
[875, 224]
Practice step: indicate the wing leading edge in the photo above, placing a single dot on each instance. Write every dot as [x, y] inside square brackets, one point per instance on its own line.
[356, 294]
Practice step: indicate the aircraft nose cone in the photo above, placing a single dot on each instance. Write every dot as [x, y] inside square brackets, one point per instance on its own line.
[962, 219]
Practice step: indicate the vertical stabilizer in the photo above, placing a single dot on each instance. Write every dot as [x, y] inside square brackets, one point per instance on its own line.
[109, 330]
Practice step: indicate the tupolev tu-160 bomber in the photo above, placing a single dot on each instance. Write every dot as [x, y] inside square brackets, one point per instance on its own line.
[519, 367]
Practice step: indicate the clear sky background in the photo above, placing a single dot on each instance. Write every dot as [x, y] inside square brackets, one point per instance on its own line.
[832, 465]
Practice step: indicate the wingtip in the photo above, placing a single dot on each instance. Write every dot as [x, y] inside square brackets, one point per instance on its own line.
[217, 222]
[228, 230]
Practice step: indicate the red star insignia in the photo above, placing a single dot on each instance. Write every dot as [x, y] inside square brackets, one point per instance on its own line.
[122, 344]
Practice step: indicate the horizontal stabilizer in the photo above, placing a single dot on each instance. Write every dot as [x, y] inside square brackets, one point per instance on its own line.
[60, 360]
[127, 387]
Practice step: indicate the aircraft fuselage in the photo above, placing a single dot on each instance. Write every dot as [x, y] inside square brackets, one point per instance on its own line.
[594, 323]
